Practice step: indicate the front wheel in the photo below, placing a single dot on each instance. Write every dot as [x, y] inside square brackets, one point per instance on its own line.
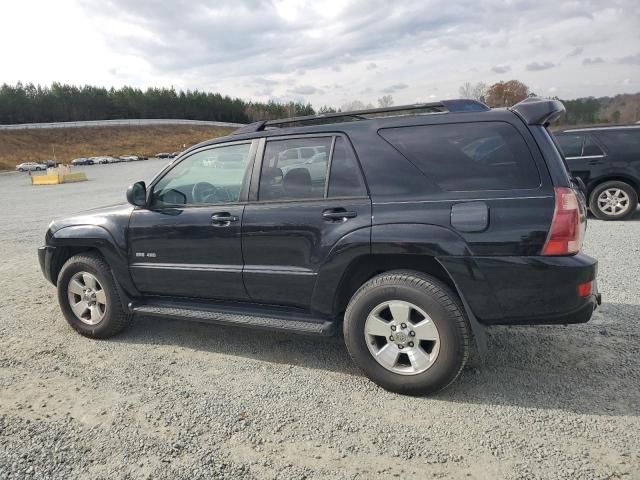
[408, 332]
[613, 200]
[89, 298]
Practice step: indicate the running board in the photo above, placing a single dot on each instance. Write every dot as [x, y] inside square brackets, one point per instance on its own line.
[265, 318]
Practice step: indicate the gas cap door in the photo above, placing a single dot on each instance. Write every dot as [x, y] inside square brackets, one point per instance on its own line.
[470, 216]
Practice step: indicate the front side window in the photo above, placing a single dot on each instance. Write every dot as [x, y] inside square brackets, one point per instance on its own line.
[210, 176]
[467, 156]
[294, 168]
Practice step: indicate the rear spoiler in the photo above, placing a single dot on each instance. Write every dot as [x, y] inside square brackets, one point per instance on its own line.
[538, 111]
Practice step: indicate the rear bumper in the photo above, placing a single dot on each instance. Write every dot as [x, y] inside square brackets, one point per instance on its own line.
[526, 290]
[45, 256]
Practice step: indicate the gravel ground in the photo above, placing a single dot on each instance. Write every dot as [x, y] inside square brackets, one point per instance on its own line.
[169, 399]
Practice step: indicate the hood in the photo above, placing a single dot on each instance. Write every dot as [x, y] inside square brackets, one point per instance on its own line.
[102, 216]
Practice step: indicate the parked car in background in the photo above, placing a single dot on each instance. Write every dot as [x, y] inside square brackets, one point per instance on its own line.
[104, 160]
[607, 160]
[50, 163]
[82, 161]
[128, 158]
[163, 155]
[31, 167]
[427, 224]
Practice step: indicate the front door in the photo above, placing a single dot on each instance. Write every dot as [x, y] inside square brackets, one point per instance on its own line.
[187, 243]
[311, 194]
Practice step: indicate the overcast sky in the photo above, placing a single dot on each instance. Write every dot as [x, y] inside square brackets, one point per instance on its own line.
[325, 51]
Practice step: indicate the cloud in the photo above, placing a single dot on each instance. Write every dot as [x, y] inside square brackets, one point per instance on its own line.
[575, 52]
[501, 68]
[537, 66]
[630, 59]
[251, 47]
[592, 61]
[305, 90]
[394, 88]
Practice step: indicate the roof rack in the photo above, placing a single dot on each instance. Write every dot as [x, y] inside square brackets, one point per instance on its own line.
[444, 106]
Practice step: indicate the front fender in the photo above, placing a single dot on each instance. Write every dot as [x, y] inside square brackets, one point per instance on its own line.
[98, 238]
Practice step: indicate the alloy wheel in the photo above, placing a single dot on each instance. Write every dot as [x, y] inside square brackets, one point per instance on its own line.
[87, 298]
[402, 337]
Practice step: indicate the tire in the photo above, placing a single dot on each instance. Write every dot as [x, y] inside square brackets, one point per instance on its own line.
[21, 169]
[626, 197]
[447, 350]
[107, 317]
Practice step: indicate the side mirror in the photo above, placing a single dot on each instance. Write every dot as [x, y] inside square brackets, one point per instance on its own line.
[137, 194]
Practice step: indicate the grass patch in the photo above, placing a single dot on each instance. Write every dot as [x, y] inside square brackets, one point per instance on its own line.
[17, 146]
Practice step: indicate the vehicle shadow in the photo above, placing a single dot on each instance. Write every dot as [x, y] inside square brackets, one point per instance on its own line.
[591, 368]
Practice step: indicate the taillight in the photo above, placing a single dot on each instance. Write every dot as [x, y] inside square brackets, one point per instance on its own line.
[565, 234]
[585, 289]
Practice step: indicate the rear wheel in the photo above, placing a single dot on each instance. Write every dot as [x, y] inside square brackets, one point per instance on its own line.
[613, 200]
[408, 332]
[89, 298]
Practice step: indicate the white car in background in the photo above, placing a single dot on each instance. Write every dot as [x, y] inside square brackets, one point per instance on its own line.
[30, 167]
[104, 160]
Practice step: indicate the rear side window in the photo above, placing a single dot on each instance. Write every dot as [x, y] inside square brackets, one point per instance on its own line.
[571, 144]
[627, 140]
[590, 148]
[295, 169]
[345, 179]
[467, 156]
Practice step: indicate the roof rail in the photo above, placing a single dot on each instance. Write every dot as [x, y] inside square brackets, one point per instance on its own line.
[444, 106]
[538, 111]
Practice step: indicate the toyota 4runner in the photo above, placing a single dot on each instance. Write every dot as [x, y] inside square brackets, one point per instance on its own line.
[409, 228]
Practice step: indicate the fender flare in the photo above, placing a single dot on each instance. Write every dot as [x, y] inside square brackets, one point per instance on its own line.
[99, 238]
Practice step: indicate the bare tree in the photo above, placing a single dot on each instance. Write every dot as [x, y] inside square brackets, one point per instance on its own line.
[386, 101]
[476, 91]
[355, 105]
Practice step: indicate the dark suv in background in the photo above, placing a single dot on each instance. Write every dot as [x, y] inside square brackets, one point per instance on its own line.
[407, 227]
[607, 160]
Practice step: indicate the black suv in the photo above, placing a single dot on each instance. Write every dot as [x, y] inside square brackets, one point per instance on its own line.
[409, 228]
[607, 160]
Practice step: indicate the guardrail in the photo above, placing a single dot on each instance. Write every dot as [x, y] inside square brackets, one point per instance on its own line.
[115, 123]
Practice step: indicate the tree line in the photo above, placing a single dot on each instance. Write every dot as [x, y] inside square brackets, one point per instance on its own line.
[29, 103]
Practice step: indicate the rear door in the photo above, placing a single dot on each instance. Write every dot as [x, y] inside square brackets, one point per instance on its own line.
[299, 208]
[187, 243]
[585, 157]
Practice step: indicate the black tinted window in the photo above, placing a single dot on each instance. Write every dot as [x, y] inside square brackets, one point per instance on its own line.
[627, 140]
[467, 156]
[590, 148]
[294, 169]
[345, 179]
[571, 144]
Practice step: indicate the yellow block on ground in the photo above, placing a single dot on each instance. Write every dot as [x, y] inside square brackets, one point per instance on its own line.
[55, 177]
[74, 177]
[45, 180]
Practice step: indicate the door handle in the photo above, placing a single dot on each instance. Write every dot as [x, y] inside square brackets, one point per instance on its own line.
[334, 214]
[223, 219]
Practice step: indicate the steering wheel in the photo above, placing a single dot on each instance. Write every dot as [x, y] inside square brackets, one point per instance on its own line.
[204, 192]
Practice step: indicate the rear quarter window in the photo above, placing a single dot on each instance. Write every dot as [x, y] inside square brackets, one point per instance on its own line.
[467, 156]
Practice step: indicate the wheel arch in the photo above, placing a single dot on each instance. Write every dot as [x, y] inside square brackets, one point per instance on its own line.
[73, 240]
[366, 267]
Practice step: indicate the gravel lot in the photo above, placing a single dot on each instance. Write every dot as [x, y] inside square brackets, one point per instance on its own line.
[168, 399]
